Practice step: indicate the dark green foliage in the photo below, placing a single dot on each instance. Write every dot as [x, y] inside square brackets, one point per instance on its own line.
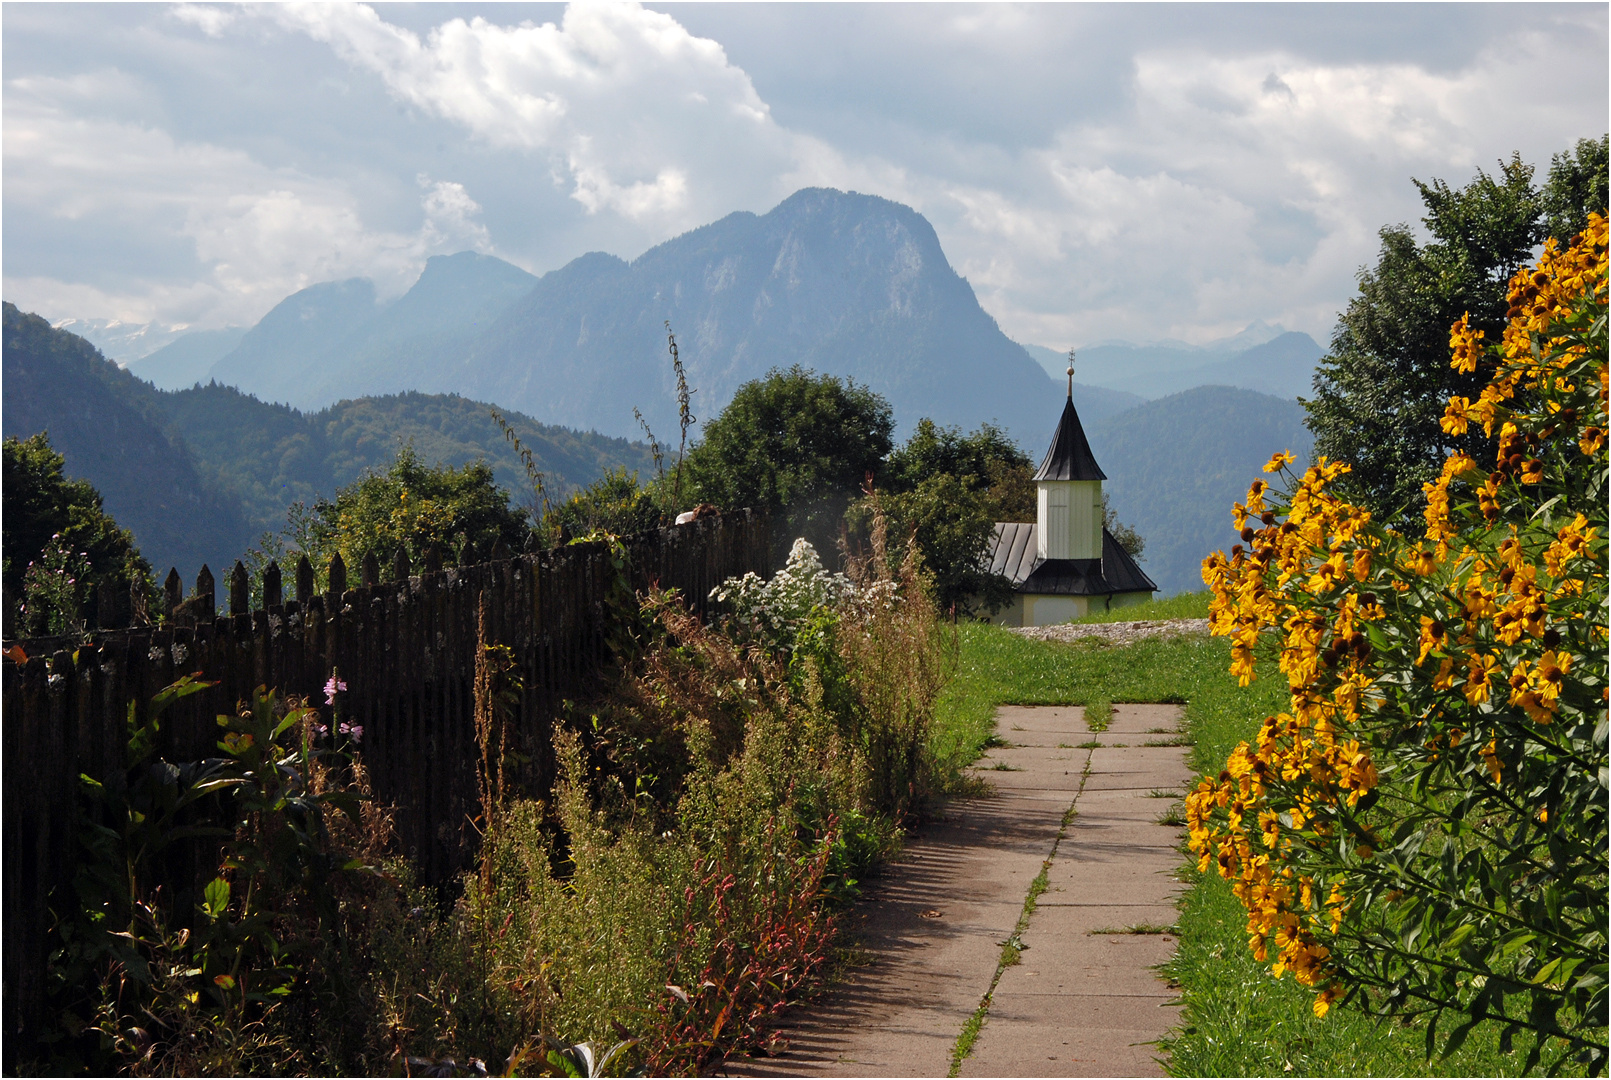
[1577, 185]
[614, 503]
[986, 461]
[1380, 394]
[947, 490]
[796, 443]
[461, 511]
[202, 981]
[40, 504]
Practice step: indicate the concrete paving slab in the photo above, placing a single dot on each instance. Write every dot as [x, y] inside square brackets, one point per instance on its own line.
[1104, 1006]
[1083, 1000]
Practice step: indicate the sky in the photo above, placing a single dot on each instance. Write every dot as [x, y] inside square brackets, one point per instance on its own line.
[1096, 172]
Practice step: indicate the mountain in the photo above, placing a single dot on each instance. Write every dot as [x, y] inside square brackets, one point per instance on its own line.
[109, 426]
[850, 285]
[293, 346]
[120, 341]
[1175, 466]
[187, 360]
[846, 284]
[1281, 365]
[198, 474]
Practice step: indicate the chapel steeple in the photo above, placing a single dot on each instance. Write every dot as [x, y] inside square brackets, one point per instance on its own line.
[1069, 490]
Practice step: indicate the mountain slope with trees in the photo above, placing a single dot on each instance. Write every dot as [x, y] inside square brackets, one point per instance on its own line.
[111, 430]
[196, 475]
[1176, 465]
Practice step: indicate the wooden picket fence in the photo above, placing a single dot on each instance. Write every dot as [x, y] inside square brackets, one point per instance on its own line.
[406, 650]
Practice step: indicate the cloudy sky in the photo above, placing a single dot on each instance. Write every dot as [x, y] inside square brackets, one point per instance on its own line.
[1128, 171]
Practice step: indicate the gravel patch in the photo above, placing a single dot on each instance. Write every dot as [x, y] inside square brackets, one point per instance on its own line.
[1119, 633]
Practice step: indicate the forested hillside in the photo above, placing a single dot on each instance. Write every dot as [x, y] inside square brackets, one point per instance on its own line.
[198, 474]
[110, 427]
[1176, 465]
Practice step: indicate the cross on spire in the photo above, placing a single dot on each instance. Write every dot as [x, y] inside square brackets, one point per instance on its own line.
[1071, 374]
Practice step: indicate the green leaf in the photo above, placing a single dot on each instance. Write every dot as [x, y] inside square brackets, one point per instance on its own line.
[215, 900]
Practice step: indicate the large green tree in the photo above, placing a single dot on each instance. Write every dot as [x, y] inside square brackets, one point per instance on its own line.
[49, 518]
[945, 491]
[798, 444]
[1379, 394]
[460, 511]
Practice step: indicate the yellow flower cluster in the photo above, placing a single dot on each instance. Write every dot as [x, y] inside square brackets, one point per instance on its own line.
[1359, 610]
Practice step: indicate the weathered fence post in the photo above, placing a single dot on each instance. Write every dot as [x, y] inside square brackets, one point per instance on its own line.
[239, 590]
[173, 593]
[304, 581]
[370, 570]
[337, 585]
[206, 605]
[271, 586]
[400, 564]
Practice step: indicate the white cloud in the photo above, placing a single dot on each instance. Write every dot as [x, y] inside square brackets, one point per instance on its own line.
[637, 116]
[259, 233]
[1238, 188]
[1202, 187]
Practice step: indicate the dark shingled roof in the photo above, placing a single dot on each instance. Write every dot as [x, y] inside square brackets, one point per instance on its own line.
[1070, 455]
[1012, 554]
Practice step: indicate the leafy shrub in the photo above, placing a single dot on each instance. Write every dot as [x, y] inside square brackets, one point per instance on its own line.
[1426, 830]
[153, 989]
[55, 529]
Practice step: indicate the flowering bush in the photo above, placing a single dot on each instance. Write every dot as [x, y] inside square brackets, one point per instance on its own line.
[773, 612]
[1425, 830]
[54, 587]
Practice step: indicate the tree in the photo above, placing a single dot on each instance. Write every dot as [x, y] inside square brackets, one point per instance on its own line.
[52, 519]
[797, 444]
[945, 491]
[1379, 394]
[410, 505]
[1577, 185]
[986, 461]
[614, 503]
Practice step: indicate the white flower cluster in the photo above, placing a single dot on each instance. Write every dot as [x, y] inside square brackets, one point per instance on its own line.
[773, 611]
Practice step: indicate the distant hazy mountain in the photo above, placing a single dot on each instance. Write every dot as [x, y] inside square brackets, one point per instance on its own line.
[850, 285]
[198, 474]
[188, 359]
[294, 346]
[846, 284]
[1175, 466]
[1262, 357]
[120, 341]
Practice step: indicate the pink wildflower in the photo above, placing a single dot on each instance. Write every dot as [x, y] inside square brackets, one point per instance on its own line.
[331, 688]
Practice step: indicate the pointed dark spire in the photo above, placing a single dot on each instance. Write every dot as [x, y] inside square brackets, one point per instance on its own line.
[1070, 455]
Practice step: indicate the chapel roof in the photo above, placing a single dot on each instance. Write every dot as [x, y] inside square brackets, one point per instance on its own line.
[1070, 455]
[1012, 555]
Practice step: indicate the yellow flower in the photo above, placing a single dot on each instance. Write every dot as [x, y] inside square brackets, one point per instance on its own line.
[1477, 674]
[1490, 757]
[1277, 461]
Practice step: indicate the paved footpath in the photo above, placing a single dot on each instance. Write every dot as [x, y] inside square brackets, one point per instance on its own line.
[1082, 1001]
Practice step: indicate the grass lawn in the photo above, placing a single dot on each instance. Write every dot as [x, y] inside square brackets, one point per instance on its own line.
[1238, 1020]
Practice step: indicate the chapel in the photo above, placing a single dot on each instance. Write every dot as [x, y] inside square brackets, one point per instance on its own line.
[1065, 563]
